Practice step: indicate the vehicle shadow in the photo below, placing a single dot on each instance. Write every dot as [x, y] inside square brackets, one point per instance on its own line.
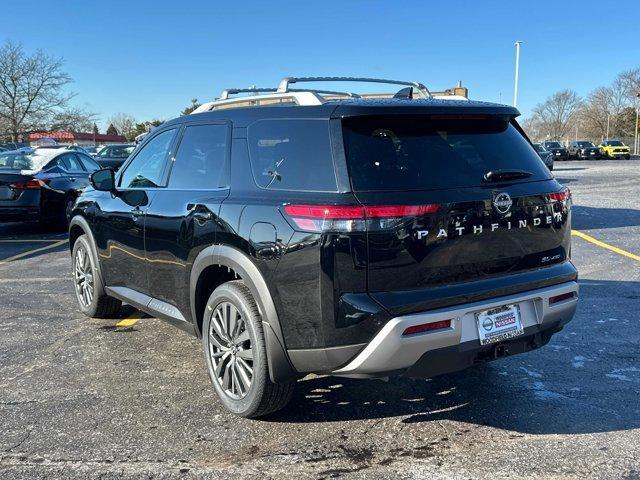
[556, 168]
[28, 240]
[584, 218]
[584, 381]
[565, 181]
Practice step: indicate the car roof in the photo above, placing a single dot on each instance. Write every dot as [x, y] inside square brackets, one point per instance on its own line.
[244, 116]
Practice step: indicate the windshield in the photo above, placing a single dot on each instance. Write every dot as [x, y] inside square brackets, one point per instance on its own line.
[615, 143]
[22, 161]
[553, 145]
[585, 144]
[424, 153]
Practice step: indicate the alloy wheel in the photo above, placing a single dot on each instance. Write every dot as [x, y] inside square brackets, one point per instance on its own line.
[83, 274]
[230, 350]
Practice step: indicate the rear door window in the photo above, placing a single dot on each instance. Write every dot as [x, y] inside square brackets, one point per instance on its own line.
[427, 153]
[201, 159]
[89, 163]
[292, 154]
[70, 163]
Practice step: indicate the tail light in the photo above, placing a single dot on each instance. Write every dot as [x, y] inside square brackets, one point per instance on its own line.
[351, 218]
[561, 196]
[32, 184]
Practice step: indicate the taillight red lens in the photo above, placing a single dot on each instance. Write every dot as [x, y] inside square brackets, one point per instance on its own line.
[561, 196]
[28, 185]
[325, 211]
[427, 327]
[318, 218]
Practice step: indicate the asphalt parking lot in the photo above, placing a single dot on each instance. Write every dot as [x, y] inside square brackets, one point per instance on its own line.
[111, 399]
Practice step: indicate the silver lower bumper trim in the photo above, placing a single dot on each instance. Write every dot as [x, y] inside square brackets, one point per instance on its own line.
[390, 351]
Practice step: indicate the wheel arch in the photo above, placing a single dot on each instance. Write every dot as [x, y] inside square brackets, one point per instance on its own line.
[280, 368]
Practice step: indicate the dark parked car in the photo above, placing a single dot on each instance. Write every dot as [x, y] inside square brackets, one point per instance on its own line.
[114, 155]
[583, 149]
[91, 149]
[545, 155]
[13, 145]
[343, 236]
[43, 185]
[556, 148]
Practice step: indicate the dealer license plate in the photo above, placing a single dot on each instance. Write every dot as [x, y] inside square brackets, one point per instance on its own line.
[499, 324]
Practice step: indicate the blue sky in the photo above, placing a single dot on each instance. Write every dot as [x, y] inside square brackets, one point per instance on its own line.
[149, 58]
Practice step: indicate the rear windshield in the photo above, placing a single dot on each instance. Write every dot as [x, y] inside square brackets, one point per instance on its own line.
[22, 161]
[423, 153]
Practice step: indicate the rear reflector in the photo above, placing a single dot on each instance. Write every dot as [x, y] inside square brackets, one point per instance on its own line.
[560, 298]
[318, 218]
[561, 196]
[427, 327]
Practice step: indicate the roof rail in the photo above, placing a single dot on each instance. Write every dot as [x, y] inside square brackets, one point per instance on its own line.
[283, 87]
[301, 96]
[234, 91]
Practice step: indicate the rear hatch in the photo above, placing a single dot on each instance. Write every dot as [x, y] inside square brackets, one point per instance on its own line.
[451, 199]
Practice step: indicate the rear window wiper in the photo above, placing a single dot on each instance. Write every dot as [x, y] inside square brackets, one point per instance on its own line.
[502, 175]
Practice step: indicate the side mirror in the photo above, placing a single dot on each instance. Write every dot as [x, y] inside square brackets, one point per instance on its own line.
[103, 180]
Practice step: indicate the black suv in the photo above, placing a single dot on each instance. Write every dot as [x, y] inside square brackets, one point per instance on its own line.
[556, 148]
[311, 231]
[583, 149]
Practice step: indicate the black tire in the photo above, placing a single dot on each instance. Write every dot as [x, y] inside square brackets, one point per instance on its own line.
[627, 157]
[261, 396]
[87, 282]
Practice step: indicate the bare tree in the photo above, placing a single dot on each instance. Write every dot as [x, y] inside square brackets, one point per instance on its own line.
[630, 81]
[73, 120]
[555, 115]
[124, 124]
[31, 89]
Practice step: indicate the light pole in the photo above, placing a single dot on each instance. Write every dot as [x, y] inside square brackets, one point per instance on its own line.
[608, 117]
[636, 143]
[515, 86]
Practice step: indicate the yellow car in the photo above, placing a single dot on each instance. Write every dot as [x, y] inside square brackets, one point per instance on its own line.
[614, 149]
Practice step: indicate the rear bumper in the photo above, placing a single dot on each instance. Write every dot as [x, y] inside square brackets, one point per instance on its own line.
[19, 214]
[456, 347]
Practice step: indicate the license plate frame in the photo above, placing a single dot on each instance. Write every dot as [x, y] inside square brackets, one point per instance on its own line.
[499, 323]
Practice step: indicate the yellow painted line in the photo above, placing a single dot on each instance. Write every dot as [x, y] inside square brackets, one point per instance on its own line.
[31, 252]
[131, 320]
[597, 242]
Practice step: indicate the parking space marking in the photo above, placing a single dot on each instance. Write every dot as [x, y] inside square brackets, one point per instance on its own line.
[28, 240]
[597, 242]
[31, 252]
[131, 320]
